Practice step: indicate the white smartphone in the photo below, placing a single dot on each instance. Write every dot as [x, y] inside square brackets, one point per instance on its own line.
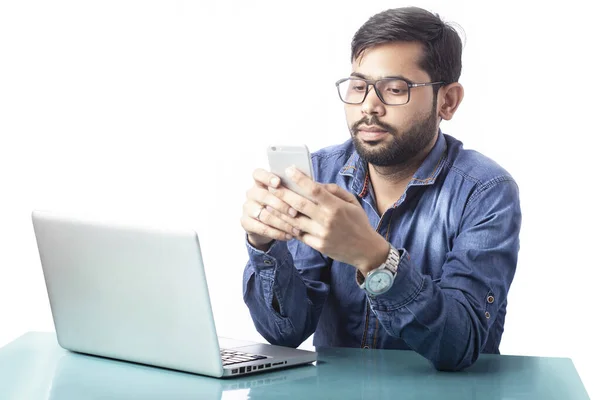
[282, 157]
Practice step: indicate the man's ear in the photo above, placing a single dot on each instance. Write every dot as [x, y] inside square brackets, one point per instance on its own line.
[449, 98]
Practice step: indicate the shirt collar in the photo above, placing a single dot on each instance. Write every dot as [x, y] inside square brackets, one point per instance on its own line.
[426, 174]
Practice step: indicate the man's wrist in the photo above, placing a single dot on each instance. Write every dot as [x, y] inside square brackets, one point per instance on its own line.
[376, 257]
[264, 247]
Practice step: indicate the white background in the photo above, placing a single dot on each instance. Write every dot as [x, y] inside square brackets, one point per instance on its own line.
[161, 109]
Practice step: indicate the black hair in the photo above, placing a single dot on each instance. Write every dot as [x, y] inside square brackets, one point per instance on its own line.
[442, 46]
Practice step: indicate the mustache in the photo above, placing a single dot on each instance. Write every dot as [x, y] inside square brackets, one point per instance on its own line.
[370, 121]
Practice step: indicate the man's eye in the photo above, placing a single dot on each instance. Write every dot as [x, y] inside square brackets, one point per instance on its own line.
[397, 90]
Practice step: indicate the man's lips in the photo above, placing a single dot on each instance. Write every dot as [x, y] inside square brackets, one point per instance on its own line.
[371, 133]
[373, 128]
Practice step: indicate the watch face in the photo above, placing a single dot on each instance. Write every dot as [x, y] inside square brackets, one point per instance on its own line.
[379, 282]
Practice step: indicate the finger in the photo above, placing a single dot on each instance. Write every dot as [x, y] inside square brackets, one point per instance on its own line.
[252, 225]
[264, 198]
[259, 212]
[266, 178]
[310, 188]
[269, 216]
[296, 201]
[341, 193]
[312, 241]
[253, 209]
[300, 224]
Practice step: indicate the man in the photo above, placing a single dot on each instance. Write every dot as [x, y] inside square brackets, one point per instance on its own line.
[411, 241]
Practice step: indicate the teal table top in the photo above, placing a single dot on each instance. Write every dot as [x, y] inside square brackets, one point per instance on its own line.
[35, 367]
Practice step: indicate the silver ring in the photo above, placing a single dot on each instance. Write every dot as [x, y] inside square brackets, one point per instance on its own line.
[259, 212]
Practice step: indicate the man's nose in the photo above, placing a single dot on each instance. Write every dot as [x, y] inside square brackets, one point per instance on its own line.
[372, 103]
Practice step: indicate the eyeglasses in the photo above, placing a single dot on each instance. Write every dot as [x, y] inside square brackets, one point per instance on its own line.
[391, 91]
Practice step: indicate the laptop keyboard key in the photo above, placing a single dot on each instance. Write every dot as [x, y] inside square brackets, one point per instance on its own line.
[230, 357]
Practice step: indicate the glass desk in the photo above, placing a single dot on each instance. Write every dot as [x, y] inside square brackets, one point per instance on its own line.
[35, 367]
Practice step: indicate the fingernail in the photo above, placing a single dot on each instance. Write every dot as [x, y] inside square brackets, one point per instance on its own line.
[292, 212]
[269, 209]
[274, 181]
[296, 231]
[289, 171]
[288, 236]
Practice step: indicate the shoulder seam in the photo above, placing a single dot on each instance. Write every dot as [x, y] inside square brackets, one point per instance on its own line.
[483, 187]
[464, 174]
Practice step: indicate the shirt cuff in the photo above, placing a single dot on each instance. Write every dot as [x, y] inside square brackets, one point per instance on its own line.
[265, 261]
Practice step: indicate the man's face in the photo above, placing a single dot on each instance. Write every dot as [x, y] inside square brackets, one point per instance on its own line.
[386, 135]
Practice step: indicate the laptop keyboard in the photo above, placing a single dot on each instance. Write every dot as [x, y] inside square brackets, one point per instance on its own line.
[230, 357]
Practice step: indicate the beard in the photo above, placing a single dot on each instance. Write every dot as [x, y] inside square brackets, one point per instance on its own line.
[403, 147]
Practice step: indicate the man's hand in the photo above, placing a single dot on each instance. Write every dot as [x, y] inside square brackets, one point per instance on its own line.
[334, 224]
[262, 225]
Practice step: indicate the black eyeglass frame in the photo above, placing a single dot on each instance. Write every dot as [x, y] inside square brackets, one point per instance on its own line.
[370, 82]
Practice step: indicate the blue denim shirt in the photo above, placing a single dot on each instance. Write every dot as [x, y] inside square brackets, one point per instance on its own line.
[457, 228]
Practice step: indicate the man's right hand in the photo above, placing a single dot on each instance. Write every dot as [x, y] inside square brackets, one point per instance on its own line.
[257, 220]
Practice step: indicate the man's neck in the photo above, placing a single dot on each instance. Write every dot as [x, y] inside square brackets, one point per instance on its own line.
[394, 175]
[389, 183]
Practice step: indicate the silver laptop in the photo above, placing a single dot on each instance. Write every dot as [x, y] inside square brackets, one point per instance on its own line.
[139, 294]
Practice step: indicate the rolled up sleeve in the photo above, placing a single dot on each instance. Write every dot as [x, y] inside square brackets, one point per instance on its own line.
[447, 320]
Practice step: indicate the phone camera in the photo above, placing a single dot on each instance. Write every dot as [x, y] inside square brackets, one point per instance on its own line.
[274, 148]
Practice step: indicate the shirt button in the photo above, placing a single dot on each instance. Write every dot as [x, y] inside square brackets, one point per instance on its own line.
[268, 262]
[490, 299]
[487, 315]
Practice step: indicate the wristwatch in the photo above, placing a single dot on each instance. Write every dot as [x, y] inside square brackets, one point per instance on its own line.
[380, 279]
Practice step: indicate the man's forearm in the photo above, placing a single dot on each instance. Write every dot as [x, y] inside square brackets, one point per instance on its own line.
[440, 324]
[278, 298]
